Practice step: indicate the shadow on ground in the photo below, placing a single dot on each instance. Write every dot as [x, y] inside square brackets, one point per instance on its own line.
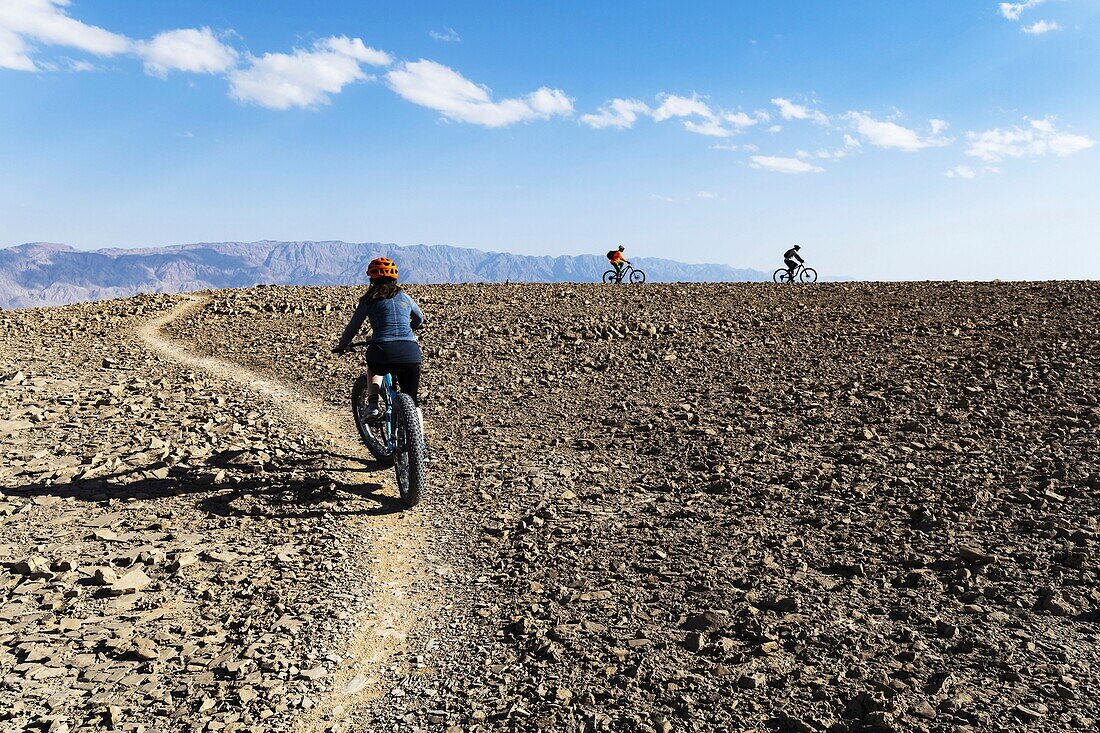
[302, 486]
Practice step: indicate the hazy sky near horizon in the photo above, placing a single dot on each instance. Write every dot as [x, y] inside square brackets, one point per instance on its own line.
[942, 139]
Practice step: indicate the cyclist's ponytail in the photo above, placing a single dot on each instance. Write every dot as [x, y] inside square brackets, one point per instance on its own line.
[382, 288]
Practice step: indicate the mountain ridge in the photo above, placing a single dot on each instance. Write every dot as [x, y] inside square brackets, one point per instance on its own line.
[44, 273]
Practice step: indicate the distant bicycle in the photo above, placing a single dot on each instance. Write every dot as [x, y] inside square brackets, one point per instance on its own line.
[629, 273]
[396, 437]
[802, 274]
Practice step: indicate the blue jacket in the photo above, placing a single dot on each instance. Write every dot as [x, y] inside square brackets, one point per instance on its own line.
[391, 319]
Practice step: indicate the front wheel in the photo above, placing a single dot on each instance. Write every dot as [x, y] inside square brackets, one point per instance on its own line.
[782, 275]
[808, 275]
[373, 434]
[410, 456]
[610, 276]
[637, 276]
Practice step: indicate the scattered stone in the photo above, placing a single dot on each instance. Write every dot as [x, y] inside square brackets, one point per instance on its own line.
[131, 582]
[34, 566]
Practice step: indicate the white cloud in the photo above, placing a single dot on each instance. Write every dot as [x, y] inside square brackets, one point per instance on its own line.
[1040, 138]
[706, 195]
[356, 49]
[783, 165]
[1012, 11]
[788, 110]
[447, 35]
[697, 116]
[676, 106]
[711, 127]
[24, 22]
[194, 50]
[885, 134]
[707, 123]
[443, 89]
[742, 120]
[938, 126]
[850, 146]
[303, 78]
[748, 147]
[14, 53]
[620, 113]
[1041, 27]
[961, 171]
[547, 102]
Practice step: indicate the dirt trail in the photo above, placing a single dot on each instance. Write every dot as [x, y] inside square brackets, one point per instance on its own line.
[394, 551]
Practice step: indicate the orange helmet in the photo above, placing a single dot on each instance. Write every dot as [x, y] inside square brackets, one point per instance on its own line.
[382, 267]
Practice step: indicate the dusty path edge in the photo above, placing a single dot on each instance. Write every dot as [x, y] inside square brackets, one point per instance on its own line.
[395, 547]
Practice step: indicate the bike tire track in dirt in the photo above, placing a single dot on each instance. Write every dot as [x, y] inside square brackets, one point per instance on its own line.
[394, 551]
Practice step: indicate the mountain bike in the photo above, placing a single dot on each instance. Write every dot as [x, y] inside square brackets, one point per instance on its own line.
[396, 437]
[802, 274]
[629, 273]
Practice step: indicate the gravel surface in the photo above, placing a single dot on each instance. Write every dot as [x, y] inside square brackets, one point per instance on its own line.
[175, 553]
[674, 507]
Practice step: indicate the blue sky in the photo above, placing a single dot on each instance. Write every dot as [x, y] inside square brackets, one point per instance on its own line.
[892, 140]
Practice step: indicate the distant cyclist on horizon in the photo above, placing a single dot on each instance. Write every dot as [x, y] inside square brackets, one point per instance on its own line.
[792, 260]
[618, 261]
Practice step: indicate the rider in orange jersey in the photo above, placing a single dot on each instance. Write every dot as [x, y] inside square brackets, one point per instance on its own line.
[615, 257]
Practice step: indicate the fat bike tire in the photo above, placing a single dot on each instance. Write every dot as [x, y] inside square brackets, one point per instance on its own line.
[410, 457]
[370, 433]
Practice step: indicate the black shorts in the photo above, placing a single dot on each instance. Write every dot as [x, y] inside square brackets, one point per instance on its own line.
[407, 376]
[402, 360]
[394, 352]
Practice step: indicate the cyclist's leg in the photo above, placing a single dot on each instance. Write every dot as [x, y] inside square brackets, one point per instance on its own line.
[375, 371]
[408, 378]
[791, 266]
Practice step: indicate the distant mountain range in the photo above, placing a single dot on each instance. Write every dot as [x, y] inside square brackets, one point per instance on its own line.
[39, 274]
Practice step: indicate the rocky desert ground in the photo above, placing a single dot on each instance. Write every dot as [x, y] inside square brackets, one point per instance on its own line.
[747, 507]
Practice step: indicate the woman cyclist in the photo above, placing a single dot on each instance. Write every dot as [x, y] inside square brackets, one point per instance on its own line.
[393, 347]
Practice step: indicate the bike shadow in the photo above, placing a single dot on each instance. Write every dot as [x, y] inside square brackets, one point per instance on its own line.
[301, 486]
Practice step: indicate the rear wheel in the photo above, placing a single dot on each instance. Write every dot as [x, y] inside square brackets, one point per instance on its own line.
[637, 276]
[609, 276]
[411, 453]
[781, 275]
[373, 434]
[808, 275]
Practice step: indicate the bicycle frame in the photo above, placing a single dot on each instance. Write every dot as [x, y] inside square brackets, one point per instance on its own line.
[388, 417]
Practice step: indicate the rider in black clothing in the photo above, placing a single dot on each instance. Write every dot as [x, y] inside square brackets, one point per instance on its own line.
[792, 259]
